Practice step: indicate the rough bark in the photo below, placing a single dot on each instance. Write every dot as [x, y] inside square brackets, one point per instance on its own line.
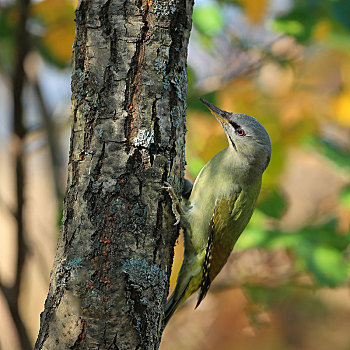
[110, 277]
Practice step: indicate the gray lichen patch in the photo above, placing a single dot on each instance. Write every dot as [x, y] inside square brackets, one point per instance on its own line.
[108, 186]
[144, 274]
[160, 65]
[144, 138]
[180, 82]
[176, 116]
[165, 8]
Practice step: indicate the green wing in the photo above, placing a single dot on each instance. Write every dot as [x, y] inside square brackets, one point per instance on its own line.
[225, 227]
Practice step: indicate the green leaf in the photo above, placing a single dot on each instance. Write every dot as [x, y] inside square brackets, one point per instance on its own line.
[302, 18]
[328, 266]
[7, 38]
[340, 10]
[274, 205]
[289, 295]
[290, 27]
[254, 235]
[344, 197]
[328, 150]
[208, 19]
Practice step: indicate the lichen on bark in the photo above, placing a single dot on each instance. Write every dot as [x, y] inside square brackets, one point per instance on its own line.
[110, 276]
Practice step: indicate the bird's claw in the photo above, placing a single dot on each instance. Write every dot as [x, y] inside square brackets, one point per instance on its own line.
[175, 203]
[178, 219]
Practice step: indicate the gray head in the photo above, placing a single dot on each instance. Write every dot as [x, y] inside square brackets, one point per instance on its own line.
[245, 135]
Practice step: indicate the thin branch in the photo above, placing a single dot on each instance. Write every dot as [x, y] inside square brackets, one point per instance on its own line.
[16, 317]
[53, 144]
[7, 208]
[19, 134]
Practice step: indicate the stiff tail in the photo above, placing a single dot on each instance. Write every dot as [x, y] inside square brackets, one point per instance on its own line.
[173, 304]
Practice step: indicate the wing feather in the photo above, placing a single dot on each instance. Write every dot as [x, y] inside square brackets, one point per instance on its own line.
[224, 230]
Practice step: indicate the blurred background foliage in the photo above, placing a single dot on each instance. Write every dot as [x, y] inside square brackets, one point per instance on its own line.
[285, 62]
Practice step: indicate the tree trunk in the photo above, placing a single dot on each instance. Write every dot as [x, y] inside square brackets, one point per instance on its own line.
[110, 277]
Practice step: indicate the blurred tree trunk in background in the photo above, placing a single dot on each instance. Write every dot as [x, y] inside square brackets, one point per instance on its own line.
[12, 292]
[110, 277]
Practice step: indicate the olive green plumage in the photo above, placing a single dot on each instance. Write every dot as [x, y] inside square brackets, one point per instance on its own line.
[220, 204]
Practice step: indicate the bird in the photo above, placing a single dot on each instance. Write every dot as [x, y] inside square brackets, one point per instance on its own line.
[217, 208]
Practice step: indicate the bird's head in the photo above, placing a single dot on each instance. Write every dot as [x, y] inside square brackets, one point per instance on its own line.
[245, 135]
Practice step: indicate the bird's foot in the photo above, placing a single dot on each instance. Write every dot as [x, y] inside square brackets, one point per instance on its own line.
[175, 203]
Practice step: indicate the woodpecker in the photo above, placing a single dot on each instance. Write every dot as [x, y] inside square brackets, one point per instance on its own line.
[216, 210]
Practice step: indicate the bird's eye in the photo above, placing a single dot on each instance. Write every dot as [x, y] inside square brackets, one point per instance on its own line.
[240, 132]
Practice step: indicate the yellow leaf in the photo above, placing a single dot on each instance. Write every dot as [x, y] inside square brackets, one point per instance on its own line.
[341, 107]
[59, 41]
[58, 17]
[255, 10]
[205, 136]
[322, 30]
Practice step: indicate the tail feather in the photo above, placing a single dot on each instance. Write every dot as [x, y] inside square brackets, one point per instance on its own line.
[173, 304]
[201, 296]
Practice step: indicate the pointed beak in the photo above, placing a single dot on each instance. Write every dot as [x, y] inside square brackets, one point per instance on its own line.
[216, 112]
